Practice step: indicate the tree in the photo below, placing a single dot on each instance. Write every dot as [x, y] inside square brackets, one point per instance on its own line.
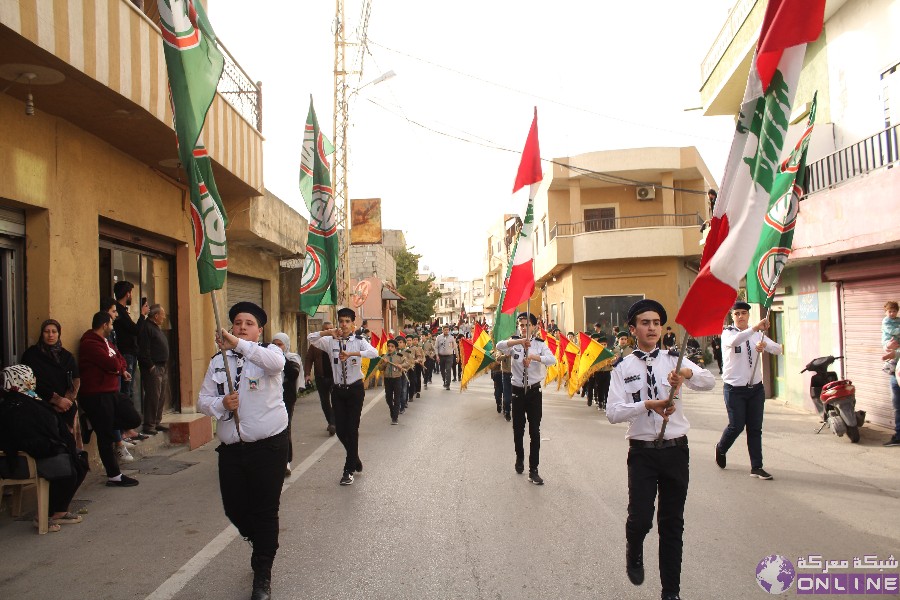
[420, 298]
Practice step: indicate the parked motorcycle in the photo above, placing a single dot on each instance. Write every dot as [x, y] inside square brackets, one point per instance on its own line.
[835, 399]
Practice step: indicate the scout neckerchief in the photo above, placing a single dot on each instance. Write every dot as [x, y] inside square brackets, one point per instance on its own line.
[652, 390]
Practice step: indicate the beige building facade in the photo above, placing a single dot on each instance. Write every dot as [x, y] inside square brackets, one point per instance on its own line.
[615, 226]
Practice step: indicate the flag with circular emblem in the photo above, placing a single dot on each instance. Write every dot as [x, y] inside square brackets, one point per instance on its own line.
[777, 235]
[195, 64]
[318, 284]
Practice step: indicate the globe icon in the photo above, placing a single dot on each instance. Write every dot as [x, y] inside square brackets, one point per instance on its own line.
[775, 574]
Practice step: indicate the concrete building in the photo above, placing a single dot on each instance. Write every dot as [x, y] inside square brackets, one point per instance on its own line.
[375, 265]
[846, 248]
[450, 303]
[91, 193]
[500, 238]
[616, 226]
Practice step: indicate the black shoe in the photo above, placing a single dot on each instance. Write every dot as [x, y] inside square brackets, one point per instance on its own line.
[894, 441]
[670, 596]
[161, 427]
[417, 395]
[499, 409]
[126, 481]
[347, 478]
[394, 422]
[760, 472]
[426, 386]
[508, 417]
[262, 588]
[634, 564]
[147, 431]
[589, 402]
[520, 467]
[720, 458]
[534, 478]
[446, 387]
[331, 429]
[358, 466]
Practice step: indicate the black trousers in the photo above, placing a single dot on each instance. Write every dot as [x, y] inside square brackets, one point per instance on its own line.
[446, 367]
[527, 404]
[392, 389]
[603, 380]
[428, 371]
[100, 409]
[665, 470]
[497, 377]
[250, 478]
[347, 403]
[289, 405]
[323, 386]
[415, 380]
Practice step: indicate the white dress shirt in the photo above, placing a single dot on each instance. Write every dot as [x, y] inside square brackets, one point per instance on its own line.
[332, 348]
[739, 355]
[629, 390]
[260, 394]
[536, 370]
[445, 344]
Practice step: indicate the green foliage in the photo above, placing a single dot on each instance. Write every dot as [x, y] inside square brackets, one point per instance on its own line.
[420, 298]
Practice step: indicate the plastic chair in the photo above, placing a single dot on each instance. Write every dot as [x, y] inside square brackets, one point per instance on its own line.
[21, 480]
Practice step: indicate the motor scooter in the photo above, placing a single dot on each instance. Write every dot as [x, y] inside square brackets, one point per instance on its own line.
[835, 399]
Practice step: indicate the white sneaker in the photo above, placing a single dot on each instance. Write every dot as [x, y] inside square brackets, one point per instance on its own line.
[123, 454]
[128, 444]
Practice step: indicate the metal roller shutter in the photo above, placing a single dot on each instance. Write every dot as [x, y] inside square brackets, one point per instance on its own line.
[863, 309]
[244, 289]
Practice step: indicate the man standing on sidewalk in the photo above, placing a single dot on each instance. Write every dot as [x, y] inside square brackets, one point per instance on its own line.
[530, 358]
[153, 355]
[639, 395]
[324, 378]
[745, 397]
[446, 350]
[127, 331]
[345, 352]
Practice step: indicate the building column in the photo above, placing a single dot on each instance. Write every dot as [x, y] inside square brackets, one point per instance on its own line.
[668, 194]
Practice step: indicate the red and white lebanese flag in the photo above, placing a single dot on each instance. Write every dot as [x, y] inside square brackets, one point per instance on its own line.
[520, 280]
[752, 162]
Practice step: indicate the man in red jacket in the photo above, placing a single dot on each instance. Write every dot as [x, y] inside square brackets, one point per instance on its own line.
[101, 365]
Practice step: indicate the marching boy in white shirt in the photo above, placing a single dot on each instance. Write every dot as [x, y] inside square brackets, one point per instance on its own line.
[638, 395]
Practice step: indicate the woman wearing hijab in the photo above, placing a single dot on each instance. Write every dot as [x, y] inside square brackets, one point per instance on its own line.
[292, 382]
[56, 372]
[29, 424]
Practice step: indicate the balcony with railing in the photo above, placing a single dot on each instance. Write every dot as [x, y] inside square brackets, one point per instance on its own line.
[848, 207]
[875, 152]
[643, 236]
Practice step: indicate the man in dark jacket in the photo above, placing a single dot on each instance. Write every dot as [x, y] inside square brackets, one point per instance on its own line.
[153, 356]
[101, 365]
[324, 377]
[127, 331]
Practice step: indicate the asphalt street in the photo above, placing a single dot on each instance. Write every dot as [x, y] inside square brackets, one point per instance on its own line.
[439, 512]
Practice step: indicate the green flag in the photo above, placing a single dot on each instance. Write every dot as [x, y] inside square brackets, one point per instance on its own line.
[777, 235]
[318, 284]
[505, 323]
[195, 65]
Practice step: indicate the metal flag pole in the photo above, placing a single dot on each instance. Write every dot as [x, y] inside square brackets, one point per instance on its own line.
[673, 390]
[215, 303]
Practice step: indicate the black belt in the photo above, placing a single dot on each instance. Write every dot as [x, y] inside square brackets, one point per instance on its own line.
[749, 386]
[679, 441]
[347, 386]
[533, 386]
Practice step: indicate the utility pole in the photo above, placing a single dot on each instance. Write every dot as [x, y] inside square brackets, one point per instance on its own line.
[342, 93]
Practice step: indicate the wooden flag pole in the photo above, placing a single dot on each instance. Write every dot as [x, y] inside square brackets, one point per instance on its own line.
[673, 391]
[756, 360]
[215, 303]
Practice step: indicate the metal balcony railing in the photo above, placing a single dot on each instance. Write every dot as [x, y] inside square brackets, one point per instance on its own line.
[239, 90]
[569, 229]
[875, 152]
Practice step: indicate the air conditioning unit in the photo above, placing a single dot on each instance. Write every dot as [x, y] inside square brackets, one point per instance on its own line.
[646, 192]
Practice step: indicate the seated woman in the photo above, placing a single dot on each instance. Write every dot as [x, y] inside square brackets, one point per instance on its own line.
[29, 424]
[56, 372]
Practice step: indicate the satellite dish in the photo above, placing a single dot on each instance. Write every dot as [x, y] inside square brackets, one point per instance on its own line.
[360, 293]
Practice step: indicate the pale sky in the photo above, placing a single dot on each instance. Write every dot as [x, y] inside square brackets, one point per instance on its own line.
[603, 75]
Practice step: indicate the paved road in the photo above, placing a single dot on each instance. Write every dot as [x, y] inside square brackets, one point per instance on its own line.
[440, 513]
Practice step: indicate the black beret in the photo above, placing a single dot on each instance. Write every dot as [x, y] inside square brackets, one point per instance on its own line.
[622, 334]
[400, 337]
[642, 306]
[412, 336]
[740, 305]
[599, 337]
[249, 308]
[529, 316]
[392, 342]
[347, 312]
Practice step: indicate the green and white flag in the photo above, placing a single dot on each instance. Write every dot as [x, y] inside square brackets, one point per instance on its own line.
[195, 65]
[318, 283]
[777, 235]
